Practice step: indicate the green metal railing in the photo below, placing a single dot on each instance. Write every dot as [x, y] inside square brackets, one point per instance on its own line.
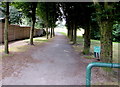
[97, 64]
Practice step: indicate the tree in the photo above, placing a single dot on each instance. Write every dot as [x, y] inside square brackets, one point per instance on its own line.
[53, 15]
[76, 19]
[33, 8]
[49, 13]
[87, 11]
[6, 28]
[116, 32]
[15, 16]
[42, 13]
[68, 10]
[2, 9]
[29, 10]
[105, 18]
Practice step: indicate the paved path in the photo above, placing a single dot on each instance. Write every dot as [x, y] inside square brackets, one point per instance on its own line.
[57, 64]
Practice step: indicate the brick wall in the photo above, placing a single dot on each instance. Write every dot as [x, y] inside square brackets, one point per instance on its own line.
[16, 32]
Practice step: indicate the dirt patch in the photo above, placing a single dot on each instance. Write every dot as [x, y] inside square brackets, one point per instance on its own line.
[51, 63]
[12, 65]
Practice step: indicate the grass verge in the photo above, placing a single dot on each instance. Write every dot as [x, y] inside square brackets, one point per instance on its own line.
[79, 47]
[24, 47]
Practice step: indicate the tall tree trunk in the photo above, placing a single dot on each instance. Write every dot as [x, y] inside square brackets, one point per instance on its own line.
[33, 22]
[51, 33]
[86, 49]
[106, 42]
[71, 33]
[106, 32]
[68, 30]
[6, 28]
[47, 32]
[75, 34]
[68, 33]
[32, 32]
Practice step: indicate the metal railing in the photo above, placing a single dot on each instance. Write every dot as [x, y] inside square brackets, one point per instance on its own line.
[97, 64]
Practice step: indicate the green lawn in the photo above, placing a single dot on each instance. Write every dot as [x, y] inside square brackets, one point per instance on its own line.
[95, 43]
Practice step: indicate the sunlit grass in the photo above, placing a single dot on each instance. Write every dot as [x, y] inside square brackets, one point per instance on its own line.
[80, 41]
[38, 39]
[1, 50]
[19, 48]
[107, 83]
[63, 33]
[23, 48]
[6, 55]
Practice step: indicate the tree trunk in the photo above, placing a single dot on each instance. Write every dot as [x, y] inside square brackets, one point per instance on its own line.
[68, 31]
[75, 34]
[86, 49]
[34, 5]
[6, 29]
[106, 42]
[106, 33]
[32, 32]
[51, 33]
[71, 33]
[47, 32]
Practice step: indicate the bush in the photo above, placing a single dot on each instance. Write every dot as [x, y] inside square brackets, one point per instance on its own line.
[116, 32]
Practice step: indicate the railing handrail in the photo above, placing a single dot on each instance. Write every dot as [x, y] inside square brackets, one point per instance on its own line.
[97, 64]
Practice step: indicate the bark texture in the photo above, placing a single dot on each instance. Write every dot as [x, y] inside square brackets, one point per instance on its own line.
[71, 33]
[6, 28]
[47, 34]
[105, 25]
[75, 34]
[106, 42]
[51, 33]
[86, 49]
[34, 5]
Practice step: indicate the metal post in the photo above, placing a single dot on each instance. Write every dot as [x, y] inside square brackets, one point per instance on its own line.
[98, 64]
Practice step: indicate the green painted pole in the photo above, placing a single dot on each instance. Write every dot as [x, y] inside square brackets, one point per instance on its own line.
[97, 64]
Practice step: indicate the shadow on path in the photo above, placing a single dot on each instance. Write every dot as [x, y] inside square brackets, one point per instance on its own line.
[58, 64]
